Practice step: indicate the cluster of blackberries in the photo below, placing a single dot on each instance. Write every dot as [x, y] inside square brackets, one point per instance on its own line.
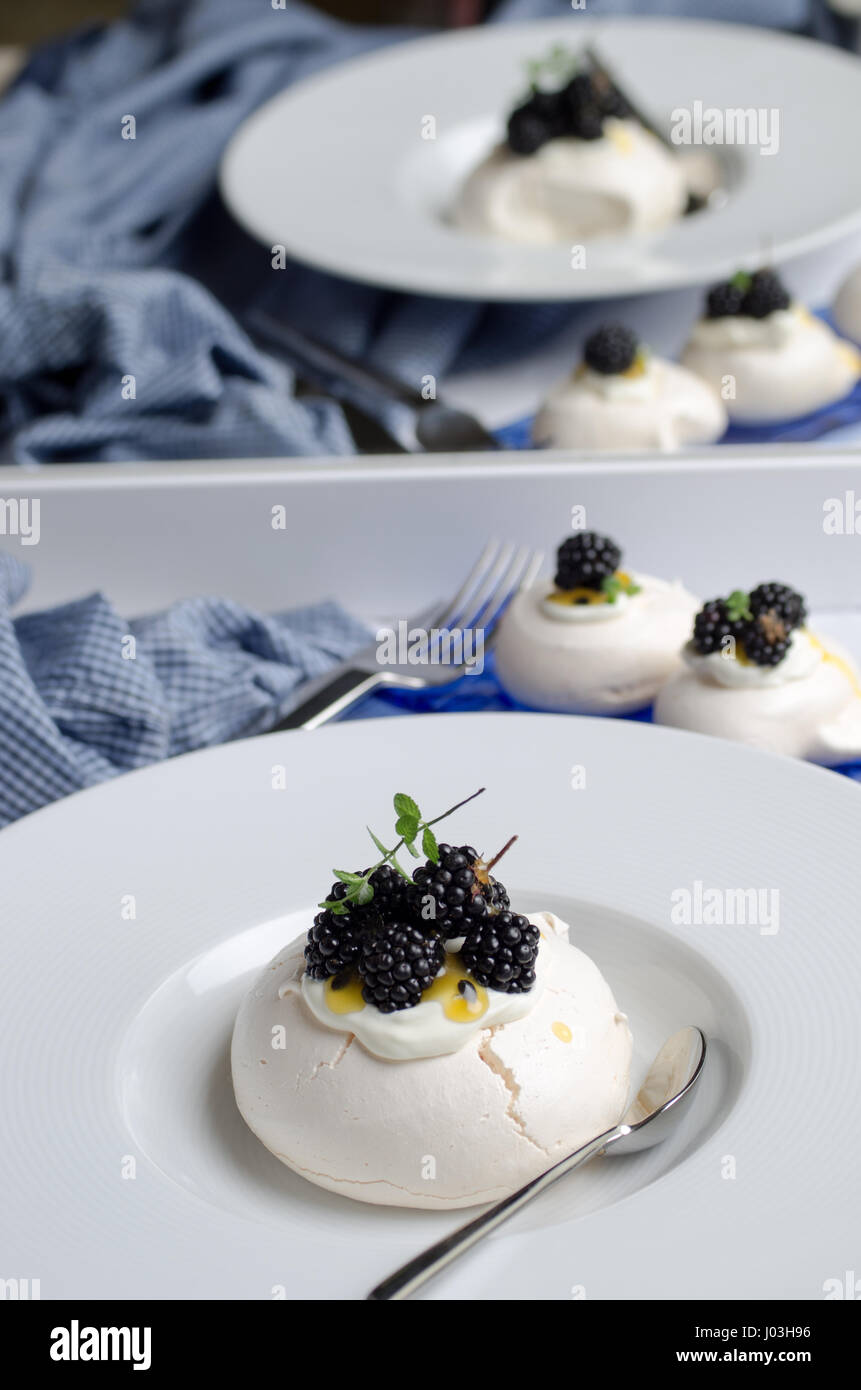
[585, 560]
[753, 296]
[579, 109]
[396, 942]
[760, 623]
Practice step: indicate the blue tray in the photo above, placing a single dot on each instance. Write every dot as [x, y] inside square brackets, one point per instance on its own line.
[483, 692]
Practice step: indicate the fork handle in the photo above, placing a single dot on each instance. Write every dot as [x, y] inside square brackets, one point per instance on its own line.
[417, 1271]
[332, 698]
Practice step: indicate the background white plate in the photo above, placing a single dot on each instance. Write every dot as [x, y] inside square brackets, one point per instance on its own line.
[336, 170]
[115, 1030]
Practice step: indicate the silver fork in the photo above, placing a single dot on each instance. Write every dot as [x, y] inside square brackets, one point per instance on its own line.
[438, 428]
[500, 572]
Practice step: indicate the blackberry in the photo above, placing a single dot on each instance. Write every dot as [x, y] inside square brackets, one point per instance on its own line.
[500, 953]
[335, 939]
[589, 124]
[766, 639]
[541, 118]
[332, 945]
[723, 301]
[713, 625]
[461, 887]
[609, 98]
[766, 294]
[584, 109]
[585, 560]
[611, 349]
[527, 130]
[781, 600]
[398, 962]
[550, 106]
[579, 92]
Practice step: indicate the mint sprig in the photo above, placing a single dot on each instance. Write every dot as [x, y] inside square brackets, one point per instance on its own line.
[556, 68]
[613, 586]
[742, 280]
[738, 606]
[408, 826]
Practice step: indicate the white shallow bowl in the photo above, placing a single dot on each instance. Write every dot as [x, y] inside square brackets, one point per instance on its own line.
[127, 1168]
[335, 168]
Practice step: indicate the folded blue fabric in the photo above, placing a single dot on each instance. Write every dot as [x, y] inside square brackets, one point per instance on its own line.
[119, 260]
[86, 694]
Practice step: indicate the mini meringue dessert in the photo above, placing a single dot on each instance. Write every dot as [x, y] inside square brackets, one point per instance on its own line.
[425, 1045]
[765, 355]
[621, 397]
[576, 163]
[847, 305]
[754, 672]
[602, 640]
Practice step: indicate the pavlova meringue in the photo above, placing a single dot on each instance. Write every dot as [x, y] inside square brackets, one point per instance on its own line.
[847, 305]
[755, 673]
[621, 397]
[601, 640]
[765, 355]
[511, 1054]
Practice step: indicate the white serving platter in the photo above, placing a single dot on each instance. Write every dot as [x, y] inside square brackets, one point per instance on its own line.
[387, 535]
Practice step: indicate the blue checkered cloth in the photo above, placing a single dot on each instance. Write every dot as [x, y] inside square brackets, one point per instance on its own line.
[86, 694]
[117, 259]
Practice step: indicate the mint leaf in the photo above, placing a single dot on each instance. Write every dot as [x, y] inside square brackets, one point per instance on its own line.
[380, 846]
[407, 827]
[612, 587]
[430, 846]
[411, 846]
[346, 877]
[741, 280]
[405, 806]
[360, 893]
[738, 606]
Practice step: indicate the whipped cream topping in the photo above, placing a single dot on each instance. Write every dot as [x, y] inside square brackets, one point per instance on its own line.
[624, 182]
[801, 660]
[739, 330]
[639, 385]
[662, 406]
[585, 612]
[426, 1030]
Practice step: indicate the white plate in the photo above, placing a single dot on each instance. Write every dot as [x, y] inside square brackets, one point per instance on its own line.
[336, 170]
[116, 1030]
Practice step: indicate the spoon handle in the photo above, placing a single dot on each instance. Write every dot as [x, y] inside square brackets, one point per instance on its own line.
[417, 1271]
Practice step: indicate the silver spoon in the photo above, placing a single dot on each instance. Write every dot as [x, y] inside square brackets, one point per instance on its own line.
[671, 1078]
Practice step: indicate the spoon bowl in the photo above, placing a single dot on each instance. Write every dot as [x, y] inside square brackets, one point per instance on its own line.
[665, 1093]
[656, 1107]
